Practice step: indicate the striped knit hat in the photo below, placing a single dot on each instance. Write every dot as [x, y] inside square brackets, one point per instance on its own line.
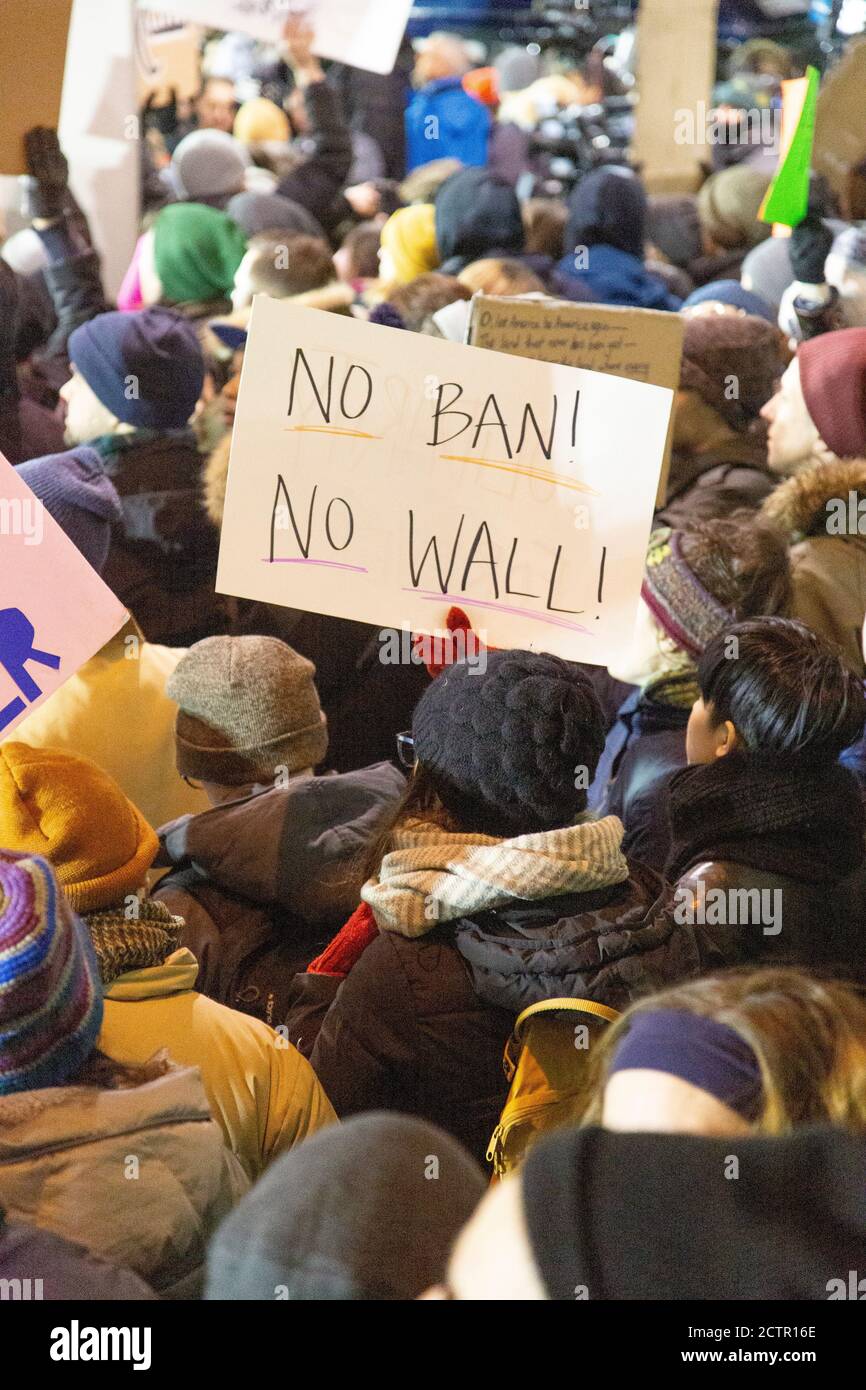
[679, 602]
[50, 995]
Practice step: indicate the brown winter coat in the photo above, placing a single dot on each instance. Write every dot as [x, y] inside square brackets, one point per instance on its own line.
[828, 571]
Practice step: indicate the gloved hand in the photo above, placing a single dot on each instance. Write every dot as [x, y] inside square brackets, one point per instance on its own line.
[44, 188]
[810, 246]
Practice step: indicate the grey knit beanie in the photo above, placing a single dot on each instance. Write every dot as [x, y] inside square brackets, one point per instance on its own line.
[248, 706]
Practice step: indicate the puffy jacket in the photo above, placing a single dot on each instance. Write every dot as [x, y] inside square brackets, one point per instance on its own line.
[261, 1090]
[274, 872]
[643, 750]
[140, 1176]
[163, 556]
[444, 122]
[419, 1025]
[717, 482]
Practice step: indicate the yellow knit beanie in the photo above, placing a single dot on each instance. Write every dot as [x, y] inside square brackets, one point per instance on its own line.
[72, 813]
[410, 236]
[261, 119]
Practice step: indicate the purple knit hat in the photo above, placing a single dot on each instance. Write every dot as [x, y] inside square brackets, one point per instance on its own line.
[50, 991]
[677, 599]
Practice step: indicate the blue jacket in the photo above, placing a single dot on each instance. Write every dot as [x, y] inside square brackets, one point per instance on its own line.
[616, 277]
[445, 122]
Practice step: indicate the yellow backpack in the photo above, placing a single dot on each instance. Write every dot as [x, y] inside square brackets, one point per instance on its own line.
[545, 1061]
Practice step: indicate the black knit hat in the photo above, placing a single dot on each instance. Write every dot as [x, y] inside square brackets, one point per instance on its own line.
[510, 749]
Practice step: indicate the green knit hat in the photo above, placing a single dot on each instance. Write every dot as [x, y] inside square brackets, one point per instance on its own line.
[197, 251]
[248, 705]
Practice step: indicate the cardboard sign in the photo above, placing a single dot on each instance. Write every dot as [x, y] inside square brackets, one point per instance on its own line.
[840, 128]
[169, 57]
[383, 476]
[677, 46]
[641, 344]
[55, 611]
[32, 54]
[363, 33]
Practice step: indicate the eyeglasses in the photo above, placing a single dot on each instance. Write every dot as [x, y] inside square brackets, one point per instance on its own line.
[406, 750]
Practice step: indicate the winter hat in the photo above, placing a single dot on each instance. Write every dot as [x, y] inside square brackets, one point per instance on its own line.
[350, 1214]
[197, 251]
[50, 995]
[261, 119]
[68, 809]
[728, 204]
[248, 705]
[517, 68]
[833, 381]
[673, 591]
[269, 212]
[483, 84]
[608, 208]
[209, 164]
[651, 1216]
[673, 226]
[733, 363]
[845, 269]
[146, 367]
[504, 745]
[731, 292]
[477, 214]
[409, 236]
[76, 491]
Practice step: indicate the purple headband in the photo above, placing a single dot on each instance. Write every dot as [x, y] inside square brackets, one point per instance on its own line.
[708, 1054]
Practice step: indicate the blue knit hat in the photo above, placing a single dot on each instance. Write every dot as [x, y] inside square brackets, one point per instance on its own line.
[50, 991]
[76, 491]
[733, 293]
[146, 367]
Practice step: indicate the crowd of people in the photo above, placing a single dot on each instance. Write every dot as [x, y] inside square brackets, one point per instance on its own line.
[272, 907]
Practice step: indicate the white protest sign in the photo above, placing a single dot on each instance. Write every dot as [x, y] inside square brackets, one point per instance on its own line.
[363, 33]
[382, 476]
[55, 611]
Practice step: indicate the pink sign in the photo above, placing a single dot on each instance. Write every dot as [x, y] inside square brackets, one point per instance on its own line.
[55, 611]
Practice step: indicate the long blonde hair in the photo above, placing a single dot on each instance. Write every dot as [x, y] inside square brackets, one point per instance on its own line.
[808, 1035]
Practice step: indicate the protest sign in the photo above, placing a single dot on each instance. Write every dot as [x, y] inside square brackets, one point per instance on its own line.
[383, 476]
[363, 33]
[169, 57]
[641, 344]
[840, 130]
[55, 611]
[787, 198]
[671, 88]
[32, 55]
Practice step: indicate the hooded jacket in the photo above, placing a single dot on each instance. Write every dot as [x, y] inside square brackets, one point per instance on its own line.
[261, 1091]
[828, 570]
[163, 556]
[460, 126]
[66, 1166]
[607, 220]
[477, 214]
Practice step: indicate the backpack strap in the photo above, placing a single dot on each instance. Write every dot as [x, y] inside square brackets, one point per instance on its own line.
[554, 1006]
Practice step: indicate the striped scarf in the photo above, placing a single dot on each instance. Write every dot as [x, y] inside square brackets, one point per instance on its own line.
[433, 876]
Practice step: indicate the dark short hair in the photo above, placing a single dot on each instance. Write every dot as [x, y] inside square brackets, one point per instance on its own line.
[784, 689]
[287, 263]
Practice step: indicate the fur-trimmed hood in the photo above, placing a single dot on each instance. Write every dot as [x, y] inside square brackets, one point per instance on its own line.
[799, 504]
[214, 476]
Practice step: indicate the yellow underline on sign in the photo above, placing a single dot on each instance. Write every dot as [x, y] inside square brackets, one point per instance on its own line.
[331, 429]
[541, 473]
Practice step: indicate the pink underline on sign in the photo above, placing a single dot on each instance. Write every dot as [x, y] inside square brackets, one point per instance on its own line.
[432, 596]
[329, 564]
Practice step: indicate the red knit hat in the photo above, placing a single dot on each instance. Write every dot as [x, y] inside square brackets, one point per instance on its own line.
[833, 380]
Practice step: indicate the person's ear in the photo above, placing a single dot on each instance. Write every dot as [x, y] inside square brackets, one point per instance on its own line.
[728, 739]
